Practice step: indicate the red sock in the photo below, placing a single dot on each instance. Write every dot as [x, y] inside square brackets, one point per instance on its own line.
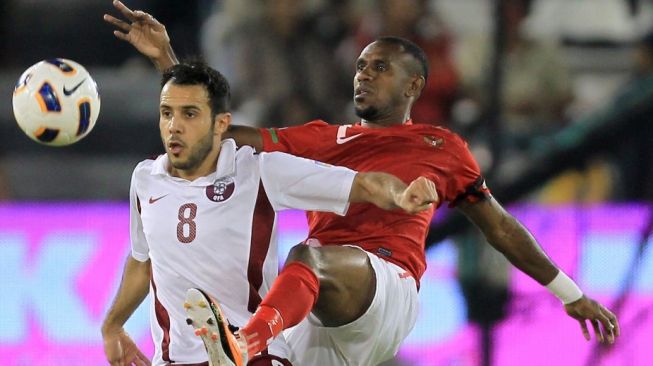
[289, 301]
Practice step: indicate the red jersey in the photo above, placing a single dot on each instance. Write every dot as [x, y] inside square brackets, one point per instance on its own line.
[408, 151]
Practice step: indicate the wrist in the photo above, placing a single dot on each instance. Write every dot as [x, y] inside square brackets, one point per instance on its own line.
[564, 288]
[166, 59]
[111, 328]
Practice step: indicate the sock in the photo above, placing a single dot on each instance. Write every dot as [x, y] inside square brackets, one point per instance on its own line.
[289, 301]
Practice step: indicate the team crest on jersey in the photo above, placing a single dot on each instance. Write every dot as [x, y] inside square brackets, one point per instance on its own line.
[433, 141]
[221, 190]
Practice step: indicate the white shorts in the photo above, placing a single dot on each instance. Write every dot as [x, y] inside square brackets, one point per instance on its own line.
[369, 340]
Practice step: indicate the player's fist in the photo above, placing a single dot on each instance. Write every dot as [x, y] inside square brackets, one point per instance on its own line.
[420, 195]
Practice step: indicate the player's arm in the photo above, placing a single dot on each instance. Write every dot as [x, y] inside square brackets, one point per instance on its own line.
[245, 135]
[511, 238]
[145, 33]
[134, 287]
[119, 348]
[151, 39]
[292, 182]
[389, 192]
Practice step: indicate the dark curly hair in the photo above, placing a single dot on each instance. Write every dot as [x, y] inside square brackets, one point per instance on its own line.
[199, 73]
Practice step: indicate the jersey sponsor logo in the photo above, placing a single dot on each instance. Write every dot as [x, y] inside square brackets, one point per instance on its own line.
[221, 190]
[152, 199]
[342, 132]
[384, 252]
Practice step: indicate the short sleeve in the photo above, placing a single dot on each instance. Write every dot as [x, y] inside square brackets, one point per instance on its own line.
[297, 183]
[463, 179]
[139, 247]
[296, 140]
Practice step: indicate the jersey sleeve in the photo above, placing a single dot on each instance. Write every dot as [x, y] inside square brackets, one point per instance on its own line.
[297, 183]
[139, 247]
[296, 140]
[464, 180]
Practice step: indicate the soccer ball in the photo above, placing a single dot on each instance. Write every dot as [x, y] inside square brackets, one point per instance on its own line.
[56, 102]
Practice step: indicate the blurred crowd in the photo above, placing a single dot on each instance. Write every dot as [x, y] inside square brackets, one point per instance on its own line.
[536, 73]
[292, 61]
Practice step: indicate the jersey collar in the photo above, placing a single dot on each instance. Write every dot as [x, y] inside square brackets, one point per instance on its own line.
[227, 159]
[226, 165]
[408, 122]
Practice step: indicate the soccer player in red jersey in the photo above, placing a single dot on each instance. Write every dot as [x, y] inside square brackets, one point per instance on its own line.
[350, 291]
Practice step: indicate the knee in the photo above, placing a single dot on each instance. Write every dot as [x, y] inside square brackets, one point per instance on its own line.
[305, 254]
[310, 256]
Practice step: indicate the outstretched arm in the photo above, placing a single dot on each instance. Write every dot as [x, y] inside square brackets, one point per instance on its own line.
[389, 192]
[512, 239]
[145, 33]
[150, 38]
[245, 135]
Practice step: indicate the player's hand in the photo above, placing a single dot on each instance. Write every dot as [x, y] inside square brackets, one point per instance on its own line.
[121, 350]
[604, 322]
[420, 195]
[140, 29]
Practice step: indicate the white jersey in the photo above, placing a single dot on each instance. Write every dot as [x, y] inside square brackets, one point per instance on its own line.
[217, 233]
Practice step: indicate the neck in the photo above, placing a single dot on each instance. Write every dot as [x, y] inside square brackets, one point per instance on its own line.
[389, 121]
[380, 124]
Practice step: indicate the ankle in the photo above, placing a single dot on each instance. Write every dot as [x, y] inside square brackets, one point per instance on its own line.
[243, 344]
[251, 344]
[263, 327]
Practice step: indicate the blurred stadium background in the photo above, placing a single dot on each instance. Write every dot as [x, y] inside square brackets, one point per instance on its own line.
[554, 96]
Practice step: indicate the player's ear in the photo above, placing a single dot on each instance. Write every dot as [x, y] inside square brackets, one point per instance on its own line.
[415, 87]
[222, 122]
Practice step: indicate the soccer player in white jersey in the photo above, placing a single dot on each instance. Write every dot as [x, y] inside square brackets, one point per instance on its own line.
[203, 216]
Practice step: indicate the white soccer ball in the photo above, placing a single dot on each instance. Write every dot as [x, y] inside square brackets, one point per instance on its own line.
[56, 102]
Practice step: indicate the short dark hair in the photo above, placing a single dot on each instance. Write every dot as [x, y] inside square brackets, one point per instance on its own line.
[199, 73]
[412, 49]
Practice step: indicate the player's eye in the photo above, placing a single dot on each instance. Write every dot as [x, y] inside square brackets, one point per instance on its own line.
[360, 66]
[381, 67]
[166, 114]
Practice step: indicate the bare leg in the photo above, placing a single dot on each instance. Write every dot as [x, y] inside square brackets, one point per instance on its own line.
[347, 281]
[336, 283]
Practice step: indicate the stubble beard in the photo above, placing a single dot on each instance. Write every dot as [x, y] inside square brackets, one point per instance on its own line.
[197, 155]
[368, 114]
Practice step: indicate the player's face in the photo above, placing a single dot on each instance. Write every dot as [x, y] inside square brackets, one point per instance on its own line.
[187, 128]
[381, 82]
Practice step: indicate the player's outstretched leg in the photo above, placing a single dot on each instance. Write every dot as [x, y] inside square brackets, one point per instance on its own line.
[205, 315]
[336, 283]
